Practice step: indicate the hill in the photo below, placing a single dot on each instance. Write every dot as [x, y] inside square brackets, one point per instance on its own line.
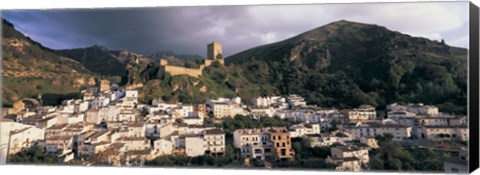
[30, 69]
[346, 64]
[102, 61]
[343, 64]
[169, 54]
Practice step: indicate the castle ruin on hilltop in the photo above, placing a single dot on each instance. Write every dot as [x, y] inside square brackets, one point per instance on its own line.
[214, 54]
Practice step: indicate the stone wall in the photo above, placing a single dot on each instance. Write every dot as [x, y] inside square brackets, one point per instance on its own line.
[180, 70]
[177, 70]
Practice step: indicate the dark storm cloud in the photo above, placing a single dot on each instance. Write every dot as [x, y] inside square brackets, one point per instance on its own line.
[188, 29]
[142, 30]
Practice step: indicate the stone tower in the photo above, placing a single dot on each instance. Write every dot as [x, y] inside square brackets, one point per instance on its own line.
[214, 51]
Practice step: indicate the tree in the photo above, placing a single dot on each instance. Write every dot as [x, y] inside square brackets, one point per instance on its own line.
[392, 157]
[219, 56]
[191, 64]
[33, 155]
[386, 138]
[428, 160]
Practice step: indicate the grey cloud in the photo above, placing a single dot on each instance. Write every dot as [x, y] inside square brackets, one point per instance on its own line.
[188, 29]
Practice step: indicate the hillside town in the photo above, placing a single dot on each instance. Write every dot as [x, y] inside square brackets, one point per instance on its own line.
[110, 126]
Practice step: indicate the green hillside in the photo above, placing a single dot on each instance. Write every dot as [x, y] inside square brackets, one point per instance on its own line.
[29, 69]
[342, 64]
[346, 64]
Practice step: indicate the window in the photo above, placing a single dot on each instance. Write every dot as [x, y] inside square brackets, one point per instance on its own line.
[258, 151]
[454, 170]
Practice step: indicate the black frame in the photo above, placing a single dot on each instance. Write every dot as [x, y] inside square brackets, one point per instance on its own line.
[473, 90]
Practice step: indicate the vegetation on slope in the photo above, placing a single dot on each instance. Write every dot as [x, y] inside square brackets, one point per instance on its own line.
[33, 155]
[345, 64]
[29, 69]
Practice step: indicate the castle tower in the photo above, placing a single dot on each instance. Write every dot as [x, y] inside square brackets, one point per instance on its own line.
[214, 51]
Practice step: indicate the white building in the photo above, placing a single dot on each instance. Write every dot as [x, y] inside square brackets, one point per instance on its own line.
[323, 139]
[214, 141]
[153, 129]
[59, 143]
[80, 106]
[349, 158]
[400, 114]
[135, 143]
[303, 115]
[300, 130]
[192, 120]
[98, 102]
[253, 143]
[265, 102]
[163, 147]
[136, 129]
[93, 116]
[16, 136]
[221, 110]
[209, 102]
[194, 145]
[444, 133]
[296, 101]
[182, 111]
[364, 112]
[358, 131]
[126, 115]
[93, 142]
[262, 112]
[418, 109]
[444, 120]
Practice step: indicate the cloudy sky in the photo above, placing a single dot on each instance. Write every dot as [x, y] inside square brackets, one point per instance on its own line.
[187, 30]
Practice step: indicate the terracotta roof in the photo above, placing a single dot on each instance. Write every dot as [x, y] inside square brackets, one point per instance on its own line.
[100, 143]
[432, 127]
[348, 148]
[61, 126]
[47, 118]
[19, 131]
[59, 138]
[134, 138]
[138, 152]
[214, 131]
[98, 134]
[136, 124]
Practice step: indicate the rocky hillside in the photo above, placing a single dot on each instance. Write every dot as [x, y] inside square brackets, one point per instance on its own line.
[346, 64]
[100, 60]
[29, 69]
